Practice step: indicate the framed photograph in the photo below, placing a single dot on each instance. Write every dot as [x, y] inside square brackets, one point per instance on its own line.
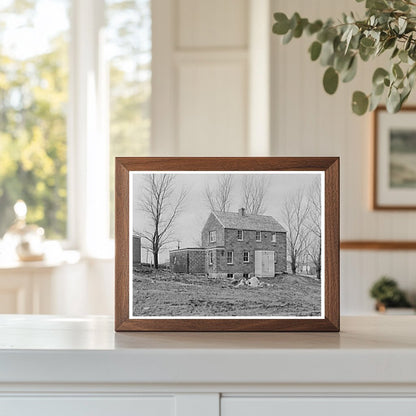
[394, 179]
[227, 244]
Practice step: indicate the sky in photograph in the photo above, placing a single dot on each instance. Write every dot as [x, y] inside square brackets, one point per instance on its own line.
[188, 226]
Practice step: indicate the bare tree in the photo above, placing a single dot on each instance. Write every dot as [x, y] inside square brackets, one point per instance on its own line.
[295, 216]
[162, 206]
[314, 225]
[254, 193]
[218, 197]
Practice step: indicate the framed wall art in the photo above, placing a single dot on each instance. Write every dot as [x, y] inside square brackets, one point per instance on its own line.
[394, 177]
[227, 244]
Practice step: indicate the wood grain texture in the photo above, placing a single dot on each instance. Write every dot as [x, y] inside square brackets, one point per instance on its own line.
[329, 165]
[121, 244]
[376, 205]
[378, 245]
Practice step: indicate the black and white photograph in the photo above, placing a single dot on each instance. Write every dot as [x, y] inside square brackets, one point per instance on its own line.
[226, 244]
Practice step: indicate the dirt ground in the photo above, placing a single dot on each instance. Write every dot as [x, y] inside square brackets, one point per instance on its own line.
[163, 293]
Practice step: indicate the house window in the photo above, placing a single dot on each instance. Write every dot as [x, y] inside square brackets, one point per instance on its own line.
[230, 257]
[211, 257]
[174, 260]
[230, 275]
[274, 237]
[246, 256]
[240, 235]
[212, 236]
[258, 236]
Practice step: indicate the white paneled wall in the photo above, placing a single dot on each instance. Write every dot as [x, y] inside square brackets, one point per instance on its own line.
[308, 122]
[203, 67]
[212, 102]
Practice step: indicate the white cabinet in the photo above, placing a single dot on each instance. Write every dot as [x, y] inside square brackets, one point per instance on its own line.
[65, 366]
[269, 406]
[87, 406]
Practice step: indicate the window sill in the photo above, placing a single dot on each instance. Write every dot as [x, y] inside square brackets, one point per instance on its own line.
[63, 258]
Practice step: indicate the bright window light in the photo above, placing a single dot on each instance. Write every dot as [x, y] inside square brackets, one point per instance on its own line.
[33, 110]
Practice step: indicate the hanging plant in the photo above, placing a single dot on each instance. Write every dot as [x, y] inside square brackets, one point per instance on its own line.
[389, 27]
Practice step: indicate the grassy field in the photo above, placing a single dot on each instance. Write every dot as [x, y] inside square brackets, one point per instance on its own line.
[163, 293]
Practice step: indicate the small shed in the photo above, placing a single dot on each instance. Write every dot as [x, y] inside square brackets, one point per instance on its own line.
[188, 260]
[137, 249]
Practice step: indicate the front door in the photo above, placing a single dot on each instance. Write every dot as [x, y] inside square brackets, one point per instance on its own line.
[264, 263]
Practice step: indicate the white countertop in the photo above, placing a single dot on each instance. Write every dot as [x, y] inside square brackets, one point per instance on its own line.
[52, 349]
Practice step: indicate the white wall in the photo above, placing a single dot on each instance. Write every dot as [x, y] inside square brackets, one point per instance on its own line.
[200, 77]
[308, 122]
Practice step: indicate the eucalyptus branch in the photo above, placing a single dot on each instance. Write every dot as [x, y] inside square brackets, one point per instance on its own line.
[388, 26]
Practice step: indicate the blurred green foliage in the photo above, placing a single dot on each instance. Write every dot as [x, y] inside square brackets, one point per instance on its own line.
[387, 292]
[33, 98]
[33, 110]
[389, 27]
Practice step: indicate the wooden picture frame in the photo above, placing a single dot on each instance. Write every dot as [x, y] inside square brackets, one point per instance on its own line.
[130, 171]
[390, 190]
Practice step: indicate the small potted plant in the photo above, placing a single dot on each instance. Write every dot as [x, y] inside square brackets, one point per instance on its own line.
[387, 294]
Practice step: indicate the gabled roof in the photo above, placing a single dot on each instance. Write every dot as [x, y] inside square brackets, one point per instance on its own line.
[237, 221]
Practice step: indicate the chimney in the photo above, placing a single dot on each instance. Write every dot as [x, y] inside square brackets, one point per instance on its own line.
[242, 211]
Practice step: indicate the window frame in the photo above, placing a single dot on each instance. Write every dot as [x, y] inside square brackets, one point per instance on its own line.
[258, 239]
[88, 133]
[274, 237]
[242, 235]
[211, 257]
[232, 257]
[248, 256]
[213, 236]
[88, 124]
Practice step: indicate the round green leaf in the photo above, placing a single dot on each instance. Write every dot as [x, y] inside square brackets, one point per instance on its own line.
[403, 56]
[389, 43]
[366, 53]
[393, 101]
[314, 27]
[281, 27]
[330, 80]
[359, 103]
[342, 62]
[327, 54]
[379, 75]
[374, 102]
[288, 37]
[395, 52]
[315, 50]
[351, 71]
[397, 71]
[367, 42]
[378, 89]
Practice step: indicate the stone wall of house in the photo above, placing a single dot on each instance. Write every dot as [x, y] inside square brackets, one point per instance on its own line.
[214, 269]
[249, 243]
[281, 253]
[212, 224]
